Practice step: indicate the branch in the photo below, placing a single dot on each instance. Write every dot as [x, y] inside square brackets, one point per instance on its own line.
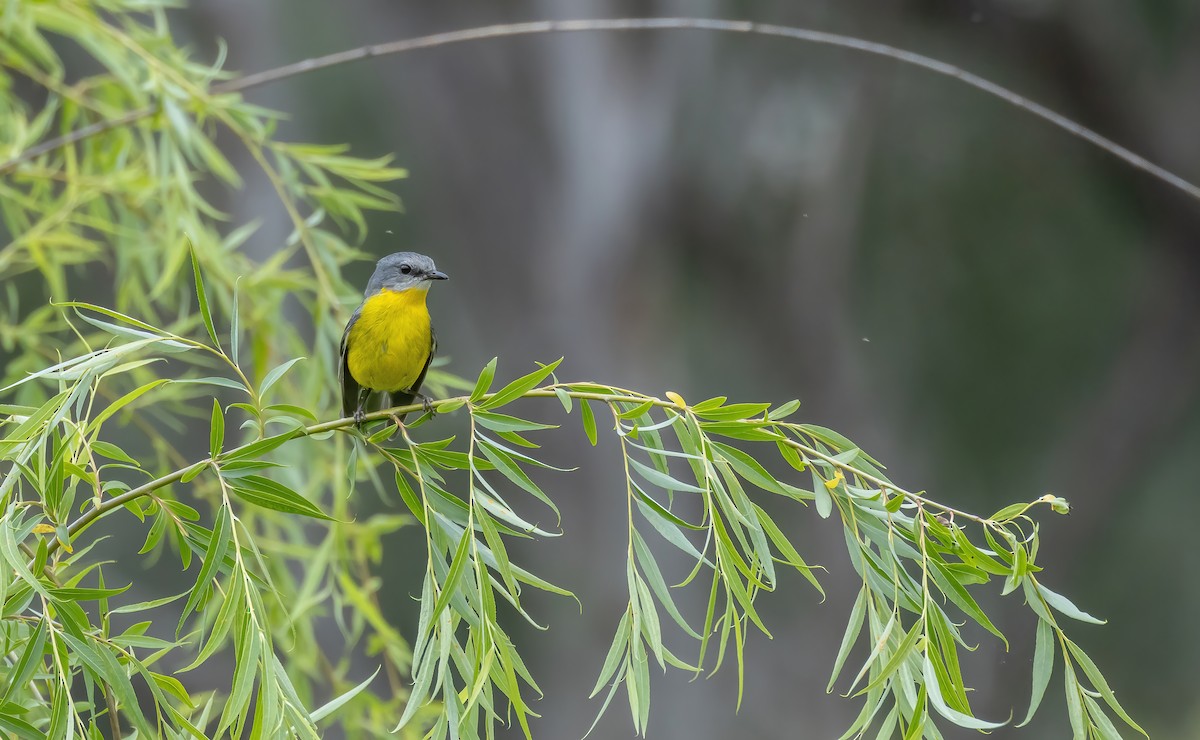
[640, 24]
[87, 518]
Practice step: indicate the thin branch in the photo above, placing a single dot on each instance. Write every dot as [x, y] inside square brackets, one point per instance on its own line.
[114, 722]
[96, 512]
[640, 24]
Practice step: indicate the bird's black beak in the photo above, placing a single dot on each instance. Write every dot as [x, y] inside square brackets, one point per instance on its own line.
[436, 275]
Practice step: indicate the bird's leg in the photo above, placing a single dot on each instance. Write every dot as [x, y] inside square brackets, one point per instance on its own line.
[359, 413]
[426, 404]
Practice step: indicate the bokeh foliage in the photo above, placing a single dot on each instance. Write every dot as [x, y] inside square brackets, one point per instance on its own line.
[99, 403]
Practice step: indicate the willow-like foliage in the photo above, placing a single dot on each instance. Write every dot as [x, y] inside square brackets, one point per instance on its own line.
[99, 397]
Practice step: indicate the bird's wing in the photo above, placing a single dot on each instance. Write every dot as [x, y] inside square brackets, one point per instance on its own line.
[406, 396]
[416, 386]
[349, 384]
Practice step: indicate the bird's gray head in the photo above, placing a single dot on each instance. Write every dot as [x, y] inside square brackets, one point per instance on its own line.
[404, 270]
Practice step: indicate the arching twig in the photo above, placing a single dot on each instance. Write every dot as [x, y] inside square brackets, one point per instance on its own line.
[641, 24]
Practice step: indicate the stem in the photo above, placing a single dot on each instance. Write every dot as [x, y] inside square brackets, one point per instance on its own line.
[114, 722]
[549, 391]
[637, 24]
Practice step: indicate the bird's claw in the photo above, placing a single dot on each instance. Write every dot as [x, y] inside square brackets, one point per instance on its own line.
[359, 417]
[427, 406]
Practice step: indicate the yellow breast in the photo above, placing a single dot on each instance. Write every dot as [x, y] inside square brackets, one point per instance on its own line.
[390, 343]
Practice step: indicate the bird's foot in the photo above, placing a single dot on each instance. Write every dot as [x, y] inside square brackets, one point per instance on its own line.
[427, 405]
[359, 417]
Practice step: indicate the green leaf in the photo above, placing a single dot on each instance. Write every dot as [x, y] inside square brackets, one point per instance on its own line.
[334, 704]
[28, 663]
[1009, 512]
[564, 398]
[589, 421]
[822, 498]
[934, 692]
[216, 432]
[288, 408]
[112, 452]
[85, 594]
[271, 494]
[670, 532]
[484, 382]
[202, 298]
[786, 549]
[962, 599]
[214, 557]
[1105, 729]
[635, 411]
[174, 687]
[235, 329]
[732, 412]
[506, 423]
[1063, 604]
[213, 380]
[514, 473]
[276, 374]
[749, 468]
[519, 387]
[142, 606]
[422, 678]
[246, 664]
[662, 480]
[106, 668]
[260, 447]
[853, 627]
[662, 511]
[410, 498]
[1097, 678]
[751, 431]
[616, 651]
[457, 566]
[655, 578]
[122, 402]
[790, 455]
[783, 411]
[901, 653]
[20, 728]
[1074, 704]
[1043, 665]
[710, 404]
[491, 536]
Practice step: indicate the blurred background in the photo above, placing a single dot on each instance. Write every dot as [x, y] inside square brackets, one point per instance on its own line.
[992, 308]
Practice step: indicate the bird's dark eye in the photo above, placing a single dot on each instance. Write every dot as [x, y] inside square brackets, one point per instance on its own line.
[405, 269]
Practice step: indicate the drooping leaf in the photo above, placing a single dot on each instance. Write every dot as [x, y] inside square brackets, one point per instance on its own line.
[202, 299]
[271, 494]
[1043, 665]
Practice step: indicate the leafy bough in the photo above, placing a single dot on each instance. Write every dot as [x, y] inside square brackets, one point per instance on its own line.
[694, 476]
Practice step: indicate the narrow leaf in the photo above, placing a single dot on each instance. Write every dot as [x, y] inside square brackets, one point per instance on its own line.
[202, 298]
[216, 433]
[520, 386]
[484, 382]
[271, 494]
[1043, 665]
[334, 704]
[276, 374]
[1063, 604]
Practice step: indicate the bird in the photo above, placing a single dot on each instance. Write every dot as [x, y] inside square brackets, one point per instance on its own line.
[389, 340]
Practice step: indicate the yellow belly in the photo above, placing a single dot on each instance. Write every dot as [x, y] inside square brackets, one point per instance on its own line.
[390, 343]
